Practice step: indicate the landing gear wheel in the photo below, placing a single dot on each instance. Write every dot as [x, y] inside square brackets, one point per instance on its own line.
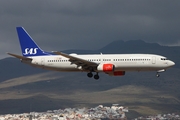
[96, 76]
[157, 75]
[90, 75]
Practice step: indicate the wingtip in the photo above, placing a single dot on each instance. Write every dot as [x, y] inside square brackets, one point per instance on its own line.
[53, 51]
[56, 52]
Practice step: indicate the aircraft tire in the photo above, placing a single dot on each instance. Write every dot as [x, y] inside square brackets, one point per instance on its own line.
[90, 75]
[96, 77]
[157, 75]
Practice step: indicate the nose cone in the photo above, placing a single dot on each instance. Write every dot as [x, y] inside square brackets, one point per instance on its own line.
[171, 63]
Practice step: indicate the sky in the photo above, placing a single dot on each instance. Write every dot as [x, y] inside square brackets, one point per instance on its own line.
[88, 24]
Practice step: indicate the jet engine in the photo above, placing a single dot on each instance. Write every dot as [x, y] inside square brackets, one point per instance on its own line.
[106, 68]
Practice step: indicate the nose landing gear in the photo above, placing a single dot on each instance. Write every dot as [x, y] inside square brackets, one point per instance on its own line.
[157, 75]
[159, 71]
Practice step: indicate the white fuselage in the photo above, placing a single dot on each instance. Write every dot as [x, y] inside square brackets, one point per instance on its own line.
[122, 62]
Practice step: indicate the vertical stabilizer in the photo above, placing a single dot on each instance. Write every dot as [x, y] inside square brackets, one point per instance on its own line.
[28, 46]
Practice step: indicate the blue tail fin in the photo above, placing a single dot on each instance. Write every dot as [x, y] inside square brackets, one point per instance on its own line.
[28, 46]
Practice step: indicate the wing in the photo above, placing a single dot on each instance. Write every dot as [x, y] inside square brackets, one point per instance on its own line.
[20, 57]
[86, 65]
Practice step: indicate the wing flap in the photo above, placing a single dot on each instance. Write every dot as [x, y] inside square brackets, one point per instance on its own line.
[76, 60]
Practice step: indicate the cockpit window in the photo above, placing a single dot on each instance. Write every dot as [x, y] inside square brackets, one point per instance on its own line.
[163, 58]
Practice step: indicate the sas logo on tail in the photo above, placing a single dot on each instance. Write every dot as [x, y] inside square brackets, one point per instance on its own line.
[30, 51]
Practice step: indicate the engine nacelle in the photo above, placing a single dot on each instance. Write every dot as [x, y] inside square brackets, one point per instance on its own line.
[117, 73]
[105, 68]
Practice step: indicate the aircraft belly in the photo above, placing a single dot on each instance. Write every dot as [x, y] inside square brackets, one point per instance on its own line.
[61, 67]
[137, 66]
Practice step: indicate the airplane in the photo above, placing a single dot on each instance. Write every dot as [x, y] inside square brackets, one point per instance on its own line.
[111, 64]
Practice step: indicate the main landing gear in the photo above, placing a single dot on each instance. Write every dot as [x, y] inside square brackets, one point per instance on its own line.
[90, 75]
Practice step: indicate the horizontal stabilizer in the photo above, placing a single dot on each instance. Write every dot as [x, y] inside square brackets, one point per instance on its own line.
[19, 57]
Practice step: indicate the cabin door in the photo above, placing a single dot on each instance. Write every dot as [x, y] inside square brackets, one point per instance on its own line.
[42, 61]
[153, 60]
